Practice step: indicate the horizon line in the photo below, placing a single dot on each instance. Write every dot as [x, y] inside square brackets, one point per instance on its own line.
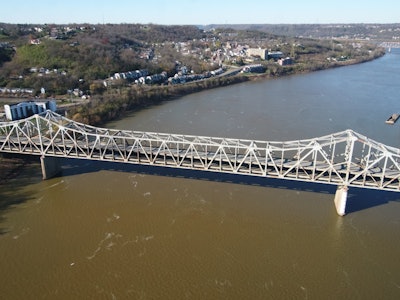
[204, 25]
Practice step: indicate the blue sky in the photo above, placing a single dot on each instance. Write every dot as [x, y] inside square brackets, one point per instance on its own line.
[199, 12]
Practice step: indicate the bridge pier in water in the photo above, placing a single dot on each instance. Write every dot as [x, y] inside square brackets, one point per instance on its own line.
[50, 166]
[341, 199]
[345, 158]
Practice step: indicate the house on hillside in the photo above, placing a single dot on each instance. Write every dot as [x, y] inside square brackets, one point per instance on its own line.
[285, 61]
[275, 55]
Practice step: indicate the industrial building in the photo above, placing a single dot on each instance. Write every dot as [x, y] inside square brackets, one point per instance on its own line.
[26, 109]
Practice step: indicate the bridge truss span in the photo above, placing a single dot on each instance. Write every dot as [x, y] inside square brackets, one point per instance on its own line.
[345, 158]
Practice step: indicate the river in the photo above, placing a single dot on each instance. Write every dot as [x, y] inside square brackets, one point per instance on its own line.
[104, 231]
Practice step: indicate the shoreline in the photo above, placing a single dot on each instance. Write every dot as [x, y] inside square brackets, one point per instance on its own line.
[116, 103]
[12, 166]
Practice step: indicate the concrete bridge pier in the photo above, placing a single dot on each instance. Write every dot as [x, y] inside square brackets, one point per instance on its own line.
[341, 199]
[50, 166]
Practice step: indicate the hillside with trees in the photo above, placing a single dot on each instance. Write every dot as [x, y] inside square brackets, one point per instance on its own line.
[371, 32]
[81, 52]
[100, 61]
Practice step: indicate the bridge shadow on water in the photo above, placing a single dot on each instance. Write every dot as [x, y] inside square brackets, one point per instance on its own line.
[358, 198]
[12, 192]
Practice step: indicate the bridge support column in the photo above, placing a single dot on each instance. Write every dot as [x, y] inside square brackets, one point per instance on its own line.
[341, 199]
[50, 167]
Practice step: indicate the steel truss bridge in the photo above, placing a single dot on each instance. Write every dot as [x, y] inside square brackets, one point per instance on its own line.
[346, 159]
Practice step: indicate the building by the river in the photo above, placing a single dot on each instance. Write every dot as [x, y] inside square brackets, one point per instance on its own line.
[28, 108]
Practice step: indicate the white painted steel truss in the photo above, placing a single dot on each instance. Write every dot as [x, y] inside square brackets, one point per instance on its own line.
[345, 158]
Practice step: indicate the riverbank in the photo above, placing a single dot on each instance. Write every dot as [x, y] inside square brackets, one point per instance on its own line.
[114, 103]
[282, 238]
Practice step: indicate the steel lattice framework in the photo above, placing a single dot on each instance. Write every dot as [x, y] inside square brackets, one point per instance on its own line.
[345, 158]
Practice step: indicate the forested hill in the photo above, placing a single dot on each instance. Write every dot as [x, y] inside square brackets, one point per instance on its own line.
[145, 32]
[86, 52]
[378, 32]
[84, 57]
[65, 57]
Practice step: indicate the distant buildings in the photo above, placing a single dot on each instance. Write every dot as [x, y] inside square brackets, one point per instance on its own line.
[23, 110]
[285, 61]
[35, 42]
[275, 55]
[264, 54]
[15, 91]
[258, 68]
[131, 75]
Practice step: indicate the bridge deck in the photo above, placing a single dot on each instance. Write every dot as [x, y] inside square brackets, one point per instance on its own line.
[345, 158]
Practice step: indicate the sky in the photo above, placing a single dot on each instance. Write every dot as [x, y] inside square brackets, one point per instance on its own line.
[199, 12]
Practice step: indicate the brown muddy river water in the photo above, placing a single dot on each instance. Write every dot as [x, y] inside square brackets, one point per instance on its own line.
[106, 231]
